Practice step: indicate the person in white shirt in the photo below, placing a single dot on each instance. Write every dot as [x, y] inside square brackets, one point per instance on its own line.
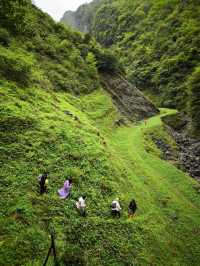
[81, 205]
[115, 208]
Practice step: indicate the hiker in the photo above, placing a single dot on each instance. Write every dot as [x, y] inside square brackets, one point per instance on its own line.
[132, 208]
[64, 192]
[81, 205]
[43, 182]
[115, 207]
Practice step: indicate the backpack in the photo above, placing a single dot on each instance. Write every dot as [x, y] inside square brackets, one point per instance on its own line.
[114, 205]
[40, 178]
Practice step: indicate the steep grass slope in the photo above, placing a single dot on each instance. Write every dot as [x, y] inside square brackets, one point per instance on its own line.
[106, 162]
[37, 134]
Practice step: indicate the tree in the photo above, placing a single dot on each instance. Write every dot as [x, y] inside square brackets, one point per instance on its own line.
[91, 62]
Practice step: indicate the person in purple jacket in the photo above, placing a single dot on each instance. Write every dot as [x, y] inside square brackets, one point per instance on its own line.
[64, 192]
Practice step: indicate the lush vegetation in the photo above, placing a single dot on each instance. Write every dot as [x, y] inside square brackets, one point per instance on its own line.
[158, 43]
[56, 117]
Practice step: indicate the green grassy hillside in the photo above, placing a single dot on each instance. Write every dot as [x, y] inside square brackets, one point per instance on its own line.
[56, 117]
[106, 162]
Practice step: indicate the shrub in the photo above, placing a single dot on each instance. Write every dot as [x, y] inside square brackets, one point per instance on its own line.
[15, 65]
[4, 37]
[91, 62]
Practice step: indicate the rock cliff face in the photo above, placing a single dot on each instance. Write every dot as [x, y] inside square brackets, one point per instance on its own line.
[129, 100]
[82, 18]
[69, 18]
[189, 153]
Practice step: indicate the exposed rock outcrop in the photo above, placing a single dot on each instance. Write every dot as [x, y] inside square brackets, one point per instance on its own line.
[69, 18]
[130, 101]
[189, 153]
[167, 151]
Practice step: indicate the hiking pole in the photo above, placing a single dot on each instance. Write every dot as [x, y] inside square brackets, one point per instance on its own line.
[52, 247]
[48, 254]
[54, 250]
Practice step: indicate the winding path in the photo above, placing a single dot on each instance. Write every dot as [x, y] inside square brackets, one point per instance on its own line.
[168, 203]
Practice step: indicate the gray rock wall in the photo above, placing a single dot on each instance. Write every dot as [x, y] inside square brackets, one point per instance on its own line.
[82, 18]
[130, 101]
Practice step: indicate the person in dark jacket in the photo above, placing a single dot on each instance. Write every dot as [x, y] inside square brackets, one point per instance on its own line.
[43, 181]
[132, 208]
